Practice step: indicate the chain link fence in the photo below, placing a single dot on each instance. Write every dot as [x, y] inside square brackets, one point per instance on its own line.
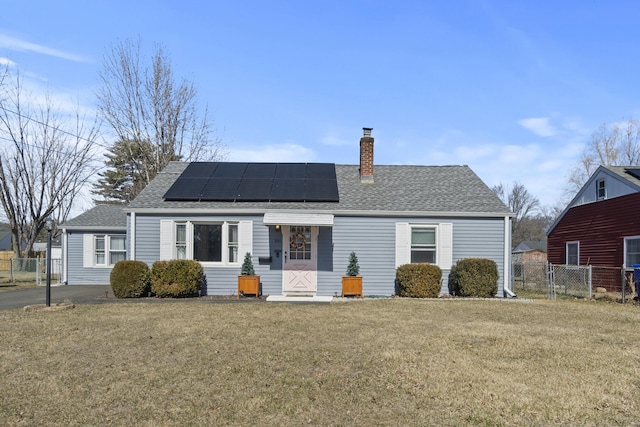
[29, 270]
[577, 281]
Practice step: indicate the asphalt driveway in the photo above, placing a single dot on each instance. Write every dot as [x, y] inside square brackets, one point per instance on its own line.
[92, 294]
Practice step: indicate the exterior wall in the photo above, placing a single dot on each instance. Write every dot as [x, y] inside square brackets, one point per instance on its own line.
[372, 238]
[600, 229]
[614, 187]
[76, 273]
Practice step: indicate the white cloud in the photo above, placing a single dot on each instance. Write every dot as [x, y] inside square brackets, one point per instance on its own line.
[12, 43]
[7, 62]
[287, 152]
[538, 125]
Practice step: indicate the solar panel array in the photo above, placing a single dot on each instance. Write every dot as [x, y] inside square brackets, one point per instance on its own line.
[635, 172]
[256, 182]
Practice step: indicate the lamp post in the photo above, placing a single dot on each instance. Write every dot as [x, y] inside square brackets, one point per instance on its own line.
[49, 225]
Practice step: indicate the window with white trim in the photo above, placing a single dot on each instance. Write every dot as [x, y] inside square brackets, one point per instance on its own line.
[211, 242]
[601, 191]
[573, 253]
[423, 245]
[424, 242]
[107, 250]
[631, 251]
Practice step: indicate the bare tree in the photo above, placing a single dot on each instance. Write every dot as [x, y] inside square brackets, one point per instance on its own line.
[610, 145]
[44, 163]
[144, 103]
[524, 205]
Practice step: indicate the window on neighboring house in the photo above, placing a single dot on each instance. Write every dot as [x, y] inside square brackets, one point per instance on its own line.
[108, 250]
[423, 245]
[631, 251]
[601, 191]
[573, 253]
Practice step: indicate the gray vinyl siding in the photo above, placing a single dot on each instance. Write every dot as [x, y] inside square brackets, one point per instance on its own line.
[372, 238]
[77, 274]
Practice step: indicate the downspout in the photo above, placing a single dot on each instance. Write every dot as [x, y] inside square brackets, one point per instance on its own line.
[132, 243]
[507, 259]
[65, 256]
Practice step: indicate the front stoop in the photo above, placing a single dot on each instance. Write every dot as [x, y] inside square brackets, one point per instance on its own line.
[282, 298]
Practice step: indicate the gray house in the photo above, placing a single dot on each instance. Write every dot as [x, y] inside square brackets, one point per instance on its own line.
[300, 222]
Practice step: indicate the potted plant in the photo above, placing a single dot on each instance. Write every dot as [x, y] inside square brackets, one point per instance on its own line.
[352, 282]
[248, 282]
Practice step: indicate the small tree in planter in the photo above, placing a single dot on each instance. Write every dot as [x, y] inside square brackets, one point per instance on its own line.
[352, 282]
[248, 282]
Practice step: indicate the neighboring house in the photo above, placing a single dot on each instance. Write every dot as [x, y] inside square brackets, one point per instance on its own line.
[300, 222]
[5, 240]
[530, 251]
[601, 225]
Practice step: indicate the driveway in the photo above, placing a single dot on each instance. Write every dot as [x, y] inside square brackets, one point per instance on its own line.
[92, 294]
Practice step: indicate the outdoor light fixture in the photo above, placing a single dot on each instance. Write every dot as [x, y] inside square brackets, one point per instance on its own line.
[49, 225]
[277, 227]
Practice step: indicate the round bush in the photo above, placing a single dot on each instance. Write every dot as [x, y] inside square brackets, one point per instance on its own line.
[474, 277]
[130, 279]
[419, 280]
[177, 278]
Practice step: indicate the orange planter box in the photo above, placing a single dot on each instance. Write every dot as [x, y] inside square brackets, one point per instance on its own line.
[249, 285]
[352, 285]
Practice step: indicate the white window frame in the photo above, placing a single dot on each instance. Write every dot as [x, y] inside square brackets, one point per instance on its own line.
[598, 188]
[443, 245]
[566, 252]
[90, 250]
[626, 239]
[169, 246]
[423, 247]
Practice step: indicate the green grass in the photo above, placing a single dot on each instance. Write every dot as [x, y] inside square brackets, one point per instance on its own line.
[381, 362]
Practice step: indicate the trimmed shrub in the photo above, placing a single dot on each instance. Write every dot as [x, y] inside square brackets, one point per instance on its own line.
[130, 279]
[353, 269]
[247, 266]
[178, 278]
[419, 280]
[474, 277]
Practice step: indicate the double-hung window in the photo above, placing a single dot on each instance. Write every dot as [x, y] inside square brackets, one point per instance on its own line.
[631, 251]
[103, 250]
[601, 190]
[573, 253]
[423, 245]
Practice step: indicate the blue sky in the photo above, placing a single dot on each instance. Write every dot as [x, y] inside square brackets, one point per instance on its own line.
[513, 89]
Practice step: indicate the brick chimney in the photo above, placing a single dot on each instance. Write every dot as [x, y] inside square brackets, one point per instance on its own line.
[366, 156]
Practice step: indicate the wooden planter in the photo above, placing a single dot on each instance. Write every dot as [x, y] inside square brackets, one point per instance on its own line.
[352, 285]
[249, 285]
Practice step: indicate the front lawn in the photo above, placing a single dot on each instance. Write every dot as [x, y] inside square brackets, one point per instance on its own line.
[372, 362]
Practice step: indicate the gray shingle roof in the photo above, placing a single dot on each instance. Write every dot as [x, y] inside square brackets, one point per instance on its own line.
[396, 189]
[620, 171]
[107, 217]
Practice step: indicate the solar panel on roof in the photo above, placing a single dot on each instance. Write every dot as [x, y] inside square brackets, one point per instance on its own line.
[221, 189]
[254, 190]
[199, 170]
[287, 190]
[185, 188]
[321, 171]
[260, 170]
[275, 182]
[291, 170]
[320, 190]
[635, 172]
[230, 170]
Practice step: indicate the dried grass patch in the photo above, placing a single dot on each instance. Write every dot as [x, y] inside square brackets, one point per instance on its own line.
[385, 362]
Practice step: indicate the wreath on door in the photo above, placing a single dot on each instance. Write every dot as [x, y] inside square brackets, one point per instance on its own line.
[297, 241]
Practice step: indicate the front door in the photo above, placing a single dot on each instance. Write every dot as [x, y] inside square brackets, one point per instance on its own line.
[300, 275]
